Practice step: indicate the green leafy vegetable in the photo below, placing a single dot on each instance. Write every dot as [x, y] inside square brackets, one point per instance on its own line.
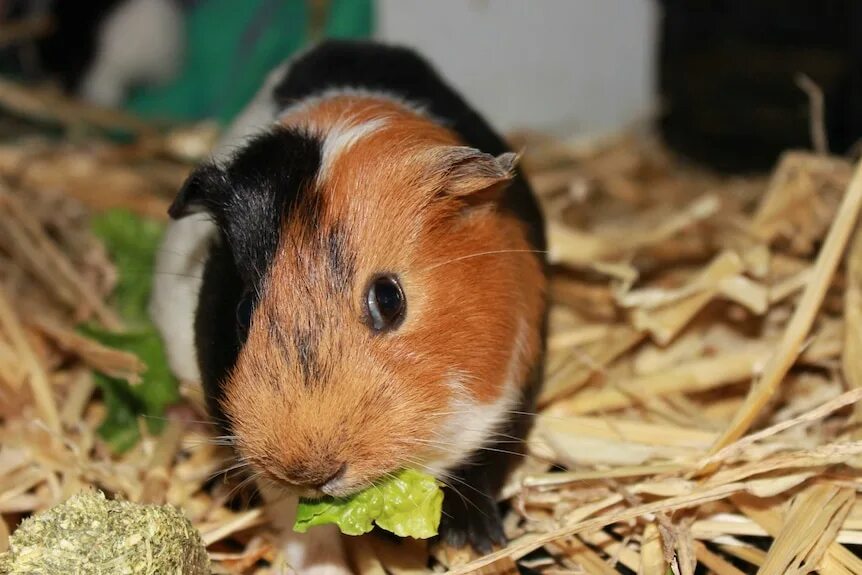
[354, 515]
[408, 504]
[132, 242]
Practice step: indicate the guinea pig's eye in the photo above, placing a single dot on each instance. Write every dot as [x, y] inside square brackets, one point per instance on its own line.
[386, 303]
[243, 313]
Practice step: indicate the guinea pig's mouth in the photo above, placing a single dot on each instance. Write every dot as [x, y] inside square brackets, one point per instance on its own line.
[307, 492]
[336, 485]
[319, 492]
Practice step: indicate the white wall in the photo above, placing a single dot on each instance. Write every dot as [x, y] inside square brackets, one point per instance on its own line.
[563, 65]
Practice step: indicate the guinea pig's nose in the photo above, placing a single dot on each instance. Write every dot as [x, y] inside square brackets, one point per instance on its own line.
[316, 476]
[334, 476]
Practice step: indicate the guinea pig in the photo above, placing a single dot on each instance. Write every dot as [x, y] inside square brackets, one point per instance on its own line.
[358, 279]
[99, 49]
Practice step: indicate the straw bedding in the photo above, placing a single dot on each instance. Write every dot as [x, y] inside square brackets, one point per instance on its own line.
[704, 369]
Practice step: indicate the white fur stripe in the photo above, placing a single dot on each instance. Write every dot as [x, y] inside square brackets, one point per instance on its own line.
[470, 422]
[340, 138]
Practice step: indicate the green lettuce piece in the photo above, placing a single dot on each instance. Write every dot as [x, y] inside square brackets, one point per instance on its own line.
[354, 515]
[131, 242]
[408, 504]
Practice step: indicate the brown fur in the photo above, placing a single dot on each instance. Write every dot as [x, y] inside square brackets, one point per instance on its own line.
[314, 387]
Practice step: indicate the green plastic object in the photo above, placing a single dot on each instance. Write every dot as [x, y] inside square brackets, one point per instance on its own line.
[231, 47]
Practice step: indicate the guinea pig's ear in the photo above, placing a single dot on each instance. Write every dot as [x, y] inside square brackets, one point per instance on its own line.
[203, 190]
[476, 176]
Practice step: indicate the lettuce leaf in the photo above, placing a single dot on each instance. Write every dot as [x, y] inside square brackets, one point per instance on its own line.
[132, 242]
[408, 504]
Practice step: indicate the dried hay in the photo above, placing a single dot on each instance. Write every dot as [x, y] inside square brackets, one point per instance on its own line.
[703, 372]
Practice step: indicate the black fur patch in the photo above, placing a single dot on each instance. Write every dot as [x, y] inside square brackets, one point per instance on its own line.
[267, 179]
[306, 342]
[472, 516]
[300, 345]
[249, 199]
[253, 195]
[342, 261]
[216, 338]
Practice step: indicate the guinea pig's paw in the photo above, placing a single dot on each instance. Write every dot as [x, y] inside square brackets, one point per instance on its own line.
[473, 521]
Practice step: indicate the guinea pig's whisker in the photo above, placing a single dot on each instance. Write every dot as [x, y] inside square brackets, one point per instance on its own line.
[509, 438]
[451, 447]
[530, 413]
[389, 475]
[504, 451]
[166, 419]
[164, 250]
[145, 272]
[244, 483]
[543, 415]
[513, 440]
[281, 492]
[509, 441]
[220, 441]
[376, 482]
[237, 488]
[445, 477]
[177, 274]
[454, 412]
[464, 499]
[256, 491]
[488, 253]
[227, 470]
[376, 488]
[228, 440]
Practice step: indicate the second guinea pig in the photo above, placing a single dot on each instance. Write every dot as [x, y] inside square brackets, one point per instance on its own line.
[358, 280]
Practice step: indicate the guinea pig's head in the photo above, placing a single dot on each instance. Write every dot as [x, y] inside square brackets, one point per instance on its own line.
[390, 310]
